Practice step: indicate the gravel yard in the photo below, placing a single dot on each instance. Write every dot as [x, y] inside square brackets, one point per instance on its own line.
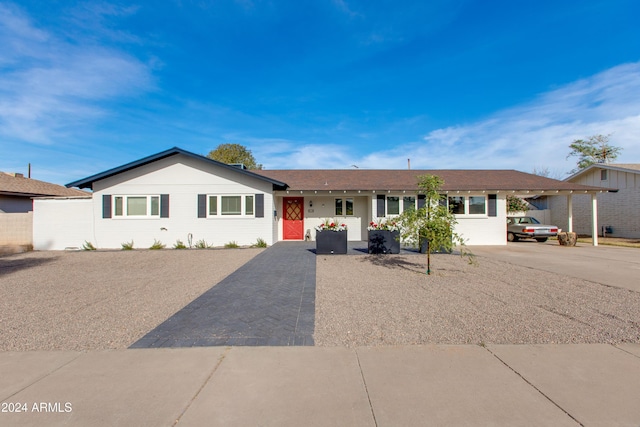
[388, 300]
[109, 299]
[103, 299]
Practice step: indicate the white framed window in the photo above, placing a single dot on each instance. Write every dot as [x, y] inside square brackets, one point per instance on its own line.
[344, 207]
[230, 205]
[468, 205]
[408, 203]
[393, 205]
[396, 204]
[136, 206]
[477, 205]
[603, 175]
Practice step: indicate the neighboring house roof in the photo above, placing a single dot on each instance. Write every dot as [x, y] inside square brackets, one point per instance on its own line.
[18, 185]
[405, 179]
[622, 167]
[88, 182]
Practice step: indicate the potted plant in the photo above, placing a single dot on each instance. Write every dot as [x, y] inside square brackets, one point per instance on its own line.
[384, 236]
[331, 238]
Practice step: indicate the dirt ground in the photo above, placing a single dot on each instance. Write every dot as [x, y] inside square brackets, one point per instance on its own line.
[101, 299]
[613, 241]
[109, 299]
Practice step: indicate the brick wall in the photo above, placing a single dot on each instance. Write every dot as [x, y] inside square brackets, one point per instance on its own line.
[620, 210]
[16, 229]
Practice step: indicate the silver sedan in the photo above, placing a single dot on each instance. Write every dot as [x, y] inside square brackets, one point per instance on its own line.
[523, 227]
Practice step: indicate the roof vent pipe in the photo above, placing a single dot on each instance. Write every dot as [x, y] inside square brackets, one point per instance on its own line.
[409, 164]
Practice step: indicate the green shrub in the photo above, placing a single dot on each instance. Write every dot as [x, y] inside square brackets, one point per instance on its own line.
[127, 246]
[516, 204]
[231, 245]
[179, 245]
[260, 243]
[157, 245]
[88, 246]
[202, 244]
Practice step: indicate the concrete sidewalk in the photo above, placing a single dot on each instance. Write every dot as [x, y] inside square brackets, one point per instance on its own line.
[582, 384]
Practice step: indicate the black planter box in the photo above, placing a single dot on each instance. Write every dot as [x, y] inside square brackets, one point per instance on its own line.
[384, 242]
[331, 242]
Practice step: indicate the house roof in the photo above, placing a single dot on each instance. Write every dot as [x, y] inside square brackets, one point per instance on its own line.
[18, 185]
[88, 182]
[395, 180]
[371, 179]
[623, 167]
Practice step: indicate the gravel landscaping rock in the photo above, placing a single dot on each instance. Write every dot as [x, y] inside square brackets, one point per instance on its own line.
[389, 300]
[101, 299]
[110, 299]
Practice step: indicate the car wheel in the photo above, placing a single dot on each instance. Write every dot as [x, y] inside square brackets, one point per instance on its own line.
[511, 237]
[541, 239]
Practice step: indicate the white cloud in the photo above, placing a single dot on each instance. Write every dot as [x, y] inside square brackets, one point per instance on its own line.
[526, 137]
[50, 84]
[537, 134]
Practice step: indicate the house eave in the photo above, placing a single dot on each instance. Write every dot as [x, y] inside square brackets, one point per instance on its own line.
[88, 182]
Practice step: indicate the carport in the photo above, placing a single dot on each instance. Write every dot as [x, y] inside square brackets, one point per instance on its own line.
[569, 193]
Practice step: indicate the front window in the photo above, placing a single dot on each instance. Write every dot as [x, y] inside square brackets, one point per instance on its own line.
[393, 205]
[477, 205]
[230, 205]
[136, 206]
[349, 206]
[456, 205]
[471, 205]
[344, 207]
[408, 203]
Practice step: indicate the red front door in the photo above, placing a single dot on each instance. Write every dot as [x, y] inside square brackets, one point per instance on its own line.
[293, 224]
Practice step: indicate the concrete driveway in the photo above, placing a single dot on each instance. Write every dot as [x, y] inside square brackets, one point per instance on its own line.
[608, 265]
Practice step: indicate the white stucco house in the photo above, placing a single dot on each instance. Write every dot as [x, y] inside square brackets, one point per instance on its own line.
[178, 195]
[618, 209]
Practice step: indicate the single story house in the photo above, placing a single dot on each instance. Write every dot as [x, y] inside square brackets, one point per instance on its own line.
[17, 192]
[178, 195]
[16, 206]
[618, 209]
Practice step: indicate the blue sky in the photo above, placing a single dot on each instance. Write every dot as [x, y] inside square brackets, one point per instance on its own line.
[86, 86]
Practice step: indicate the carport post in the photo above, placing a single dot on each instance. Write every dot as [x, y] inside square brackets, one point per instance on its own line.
[570, 212]
[594, 219]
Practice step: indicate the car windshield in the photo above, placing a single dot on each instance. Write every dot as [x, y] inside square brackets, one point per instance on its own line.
[523, 220]
[529, 220]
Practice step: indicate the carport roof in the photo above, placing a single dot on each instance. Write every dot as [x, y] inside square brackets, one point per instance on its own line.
[399, 180]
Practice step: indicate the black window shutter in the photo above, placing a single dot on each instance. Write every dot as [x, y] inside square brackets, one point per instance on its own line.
[492, 208]
[259, 206]
[164, 206]
[106, 206]
[421, 200]
[380, 206]
[202, 205]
